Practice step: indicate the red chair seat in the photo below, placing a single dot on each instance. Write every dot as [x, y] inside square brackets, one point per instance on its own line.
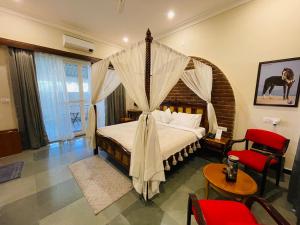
[220, 212]
[252, 159]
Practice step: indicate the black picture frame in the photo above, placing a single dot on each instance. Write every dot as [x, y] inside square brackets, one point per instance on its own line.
[280, 77]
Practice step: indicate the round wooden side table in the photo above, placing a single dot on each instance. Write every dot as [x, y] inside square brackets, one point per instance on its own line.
[216, 179]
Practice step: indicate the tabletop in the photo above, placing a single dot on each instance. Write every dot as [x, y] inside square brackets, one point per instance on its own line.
[245, 185]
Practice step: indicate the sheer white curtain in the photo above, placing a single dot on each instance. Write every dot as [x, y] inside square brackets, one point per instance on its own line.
[130, 66]
[111, 82]
[200, 80]
[103, 83]
[146, 166]
[167, 66]
[51, 79]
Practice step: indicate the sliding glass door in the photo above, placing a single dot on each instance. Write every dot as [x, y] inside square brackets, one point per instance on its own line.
[78, 89]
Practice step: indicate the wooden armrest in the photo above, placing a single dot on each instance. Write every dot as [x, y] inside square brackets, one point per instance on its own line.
[232, 142]
[193, 202]
[268, 162]
[269, 208]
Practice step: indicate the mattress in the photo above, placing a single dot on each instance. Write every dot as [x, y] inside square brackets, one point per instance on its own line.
[172, 139]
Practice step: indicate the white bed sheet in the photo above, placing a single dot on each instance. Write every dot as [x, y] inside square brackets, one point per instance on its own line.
[172, 139]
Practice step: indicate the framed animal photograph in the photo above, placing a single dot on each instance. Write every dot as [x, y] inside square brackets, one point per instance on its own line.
[278, 83]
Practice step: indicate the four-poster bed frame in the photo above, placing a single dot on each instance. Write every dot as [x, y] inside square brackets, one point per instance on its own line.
[118, 152]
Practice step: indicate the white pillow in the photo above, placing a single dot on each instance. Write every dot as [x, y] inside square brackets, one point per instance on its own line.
[162, 116]
[165, 116]
[186, 120]
[173, 116]
[156, 115]
[198, 119]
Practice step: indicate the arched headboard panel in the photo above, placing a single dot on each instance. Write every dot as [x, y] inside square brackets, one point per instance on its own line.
[222, 97]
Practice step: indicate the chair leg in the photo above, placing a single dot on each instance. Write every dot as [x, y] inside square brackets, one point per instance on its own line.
[96, 151]
[189, 212]
[263, 183]
[278, 172]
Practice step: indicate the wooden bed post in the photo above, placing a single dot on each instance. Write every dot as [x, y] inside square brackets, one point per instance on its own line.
[148, 40]
[96, 149]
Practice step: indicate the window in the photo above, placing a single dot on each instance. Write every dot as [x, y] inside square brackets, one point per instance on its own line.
[78, 88]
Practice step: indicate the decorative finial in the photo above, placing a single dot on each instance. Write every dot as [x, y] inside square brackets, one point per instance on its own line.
[148, 38]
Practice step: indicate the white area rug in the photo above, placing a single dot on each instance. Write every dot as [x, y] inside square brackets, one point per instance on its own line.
[100, 183]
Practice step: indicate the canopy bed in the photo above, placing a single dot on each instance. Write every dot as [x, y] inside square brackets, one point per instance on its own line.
[148, 70]
[176, 142]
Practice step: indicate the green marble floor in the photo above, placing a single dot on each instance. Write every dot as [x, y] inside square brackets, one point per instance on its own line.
[47, 194]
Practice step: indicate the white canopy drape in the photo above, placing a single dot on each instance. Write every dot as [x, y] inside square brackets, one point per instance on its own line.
[103, 83]
[199, 80]
[146, 165]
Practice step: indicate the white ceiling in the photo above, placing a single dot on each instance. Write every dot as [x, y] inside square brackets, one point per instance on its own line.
[100, 19]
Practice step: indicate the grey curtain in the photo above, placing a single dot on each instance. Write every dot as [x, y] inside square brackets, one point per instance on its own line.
[115, 106]
[294, 185]
[26, 98]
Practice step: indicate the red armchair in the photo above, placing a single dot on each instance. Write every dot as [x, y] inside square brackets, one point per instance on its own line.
[221, 212]
[269, 153]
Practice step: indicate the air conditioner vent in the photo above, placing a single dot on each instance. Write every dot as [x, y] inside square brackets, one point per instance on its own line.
[77, 44]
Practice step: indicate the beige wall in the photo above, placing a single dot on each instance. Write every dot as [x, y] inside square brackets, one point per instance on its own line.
[16, 27]
[7, 111]
[236, 41]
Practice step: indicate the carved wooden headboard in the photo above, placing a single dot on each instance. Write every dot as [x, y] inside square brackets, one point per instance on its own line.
[176, 106]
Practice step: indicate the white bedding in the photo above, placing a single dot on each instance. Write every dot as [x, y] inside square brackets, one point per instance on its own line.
[172, 138]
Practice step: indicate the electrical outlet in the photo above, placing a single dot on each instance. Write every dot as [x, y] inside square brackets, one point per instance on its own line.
[273, 120]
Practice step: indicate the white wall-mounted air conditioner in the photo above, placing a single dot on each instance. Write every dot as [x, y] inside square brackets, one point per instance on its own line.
[77, 44]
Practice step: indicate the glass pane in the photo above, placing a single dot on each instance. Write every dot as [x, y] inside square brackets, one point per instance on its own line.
[86, 83]
[72, 82]
[76, 117]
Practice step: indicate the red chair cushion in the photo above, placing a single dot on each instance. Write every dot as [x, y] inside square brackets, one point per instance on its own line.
[220, 212]
[252, 159]
[268, 138]
[241, 223]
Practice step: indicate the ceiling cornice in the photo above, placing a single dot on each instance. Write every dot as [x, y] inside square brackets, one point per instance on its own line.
[60, 27]
[199, 18]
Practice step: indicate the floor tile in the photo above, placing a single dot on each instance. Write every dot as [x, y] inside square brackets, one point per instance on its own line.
[76, 213]
[114, 210]
[26, 156]
[16, 189]
[176, 204]
[52, 177]
[31, 209]
[141, 213]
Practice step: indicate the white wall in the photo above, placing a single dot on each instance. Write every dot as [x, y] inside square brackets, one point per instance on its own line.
[236, 41]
